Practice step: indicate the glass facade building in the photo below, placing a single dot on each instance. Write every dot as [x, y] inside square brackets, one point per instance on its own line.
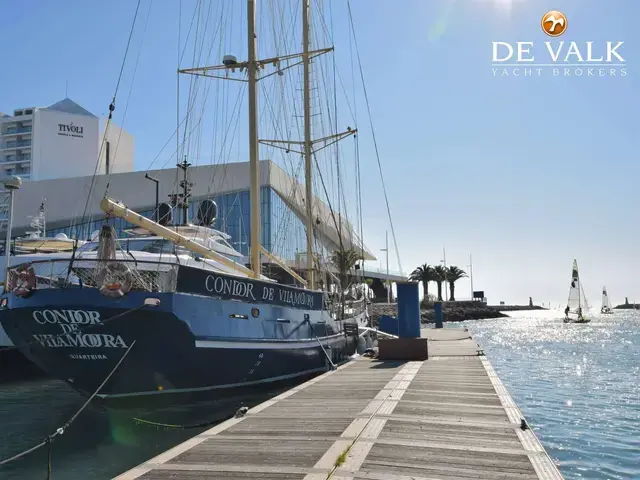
[283, 231]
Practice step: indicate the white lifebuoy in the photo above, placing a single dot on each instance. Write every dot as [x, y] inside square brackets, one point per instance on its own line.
[115, 280]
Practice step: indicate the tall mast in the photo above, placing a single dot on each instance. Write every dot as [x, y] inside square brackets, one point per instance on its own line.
[254, 194]
[306, 147]
[308, 143]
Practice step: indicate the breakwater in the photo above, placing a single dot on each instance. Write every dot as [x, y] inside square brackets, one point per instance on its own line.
[453, 311]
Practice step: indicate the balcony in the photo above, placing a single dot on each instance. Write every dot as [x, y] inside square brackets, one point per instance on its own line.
[26, 157]
[16, 144]
[18, 130]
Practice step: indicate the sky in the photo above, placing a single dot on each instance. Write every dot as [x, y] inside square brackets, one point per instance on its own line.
[523, 173]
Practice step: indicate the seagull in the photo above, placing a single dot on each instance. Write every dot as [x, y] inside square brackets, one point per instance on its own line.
[554, 22]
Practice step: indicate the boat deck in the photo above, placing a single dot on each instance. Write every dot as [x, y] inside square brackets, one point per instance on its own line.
[449, 417]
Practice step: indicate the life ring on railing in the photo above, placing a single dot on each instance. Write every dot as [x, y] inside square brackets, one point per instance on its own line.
[115, 280]
[22, 280]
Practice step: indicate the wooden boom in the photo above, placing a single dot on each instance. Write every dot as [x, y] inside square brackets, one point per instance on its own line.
[117, 209]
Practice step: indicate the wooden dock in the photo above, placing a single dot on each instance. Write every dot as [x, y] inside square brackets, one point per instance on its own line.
[449, 417]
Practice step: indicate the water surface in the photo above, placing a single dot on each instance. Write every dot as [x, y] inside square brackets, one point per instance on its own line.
[577, 385]
[100, 444]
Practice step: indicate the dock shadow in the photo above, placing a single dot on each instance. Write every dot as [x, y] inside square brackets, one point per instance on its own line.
[388, 363]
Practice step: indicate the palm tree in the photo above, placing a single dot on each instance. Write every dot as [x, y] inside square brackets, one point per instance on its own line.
[344, 261]
[440, 274]
[453, 275]
[424, 273]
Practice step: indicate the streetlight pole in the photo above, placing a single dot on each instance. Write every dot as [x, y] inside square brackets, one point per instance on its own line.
[471, 274]
[444, 261]
[11, 184]
[156, 214]
[386, 250]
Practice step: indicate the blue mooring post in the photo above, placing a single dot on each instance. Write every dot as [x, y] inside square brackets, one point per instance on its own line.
[437, 310]
[408, 310]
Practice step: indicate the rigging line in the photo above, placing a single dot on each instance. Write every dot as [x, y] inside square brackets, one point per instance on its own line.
[356, 149]
[359, 194]
[335, 108]
[207, 89]
[324, 25]
[197, 141]
[177, 181]
[66, 425]
[221, 25]
[375, 143]
[135, 70]
[274, 117]
[236, 108]
[111, 109]
[190, 98]
[331, 210]
[222, 99]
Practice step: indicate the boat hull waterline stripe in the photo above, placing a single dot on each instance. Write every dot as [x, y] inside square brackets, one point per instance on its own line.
[267, 345]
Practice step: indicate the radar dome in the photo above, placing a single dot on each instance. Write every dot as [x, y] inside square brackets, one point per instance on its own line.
[61, 236]
[207, 212]
[165, 214]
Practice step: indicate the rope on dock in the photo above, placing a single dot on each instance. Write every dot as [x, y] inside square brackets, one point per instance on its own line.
[49, 440]
[333, 365]
[168, 426]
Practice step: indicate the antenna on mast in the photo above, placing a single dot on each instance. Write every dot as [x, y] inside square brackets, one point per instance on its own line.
[186, 190]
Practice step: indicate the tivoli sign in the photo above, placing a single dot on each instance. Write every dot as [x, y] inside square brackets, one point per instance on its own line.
[70, 130]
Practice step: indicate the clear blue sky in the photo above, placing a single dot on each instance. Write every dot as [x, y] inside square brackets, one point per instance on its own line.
[524, 173]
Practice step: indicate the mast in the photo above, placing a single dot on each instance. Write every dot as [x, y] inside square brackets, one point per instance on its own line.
[254, 167]
[579, 288]
[253, 66]
[186, 185]
[306, 61]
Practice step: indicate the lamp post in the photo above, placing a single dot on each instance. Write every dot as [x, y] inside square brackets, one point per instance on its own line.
[11, 184]
[444, 261]
[156, 214]
[386, 250]
[471, 274]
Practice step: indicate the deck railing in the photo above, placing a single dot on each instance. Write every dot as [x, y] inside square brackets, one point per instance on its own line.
[88, 273]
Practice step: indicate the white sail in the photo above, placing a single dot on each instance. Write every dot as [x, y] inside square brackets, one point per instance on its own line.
[577, 305]
[575, 291]
[606, 305]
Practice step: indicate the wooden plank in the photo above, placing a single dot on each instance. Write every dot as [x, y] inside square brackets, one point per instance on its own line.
[449, 417]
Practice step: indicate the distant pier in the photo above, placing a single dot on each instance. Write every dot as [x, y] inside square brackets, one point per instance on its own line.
[446, 417]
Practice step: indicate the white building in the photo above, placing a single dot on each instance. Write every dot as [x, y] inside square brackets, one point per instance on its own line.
[59, 141]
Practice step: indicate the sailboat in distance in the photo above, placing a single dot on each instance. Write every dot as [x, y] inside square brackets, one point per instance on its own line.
[606, 305]
[577, 302]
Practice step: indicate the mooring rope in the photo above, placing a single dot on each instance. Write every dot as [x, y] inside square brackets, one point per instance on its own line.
[169, 426]
[333, 365]
[49, 440]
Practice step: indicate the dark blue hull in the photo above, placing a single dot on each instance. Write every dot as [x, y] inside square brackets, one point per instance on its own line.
[188, 348]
